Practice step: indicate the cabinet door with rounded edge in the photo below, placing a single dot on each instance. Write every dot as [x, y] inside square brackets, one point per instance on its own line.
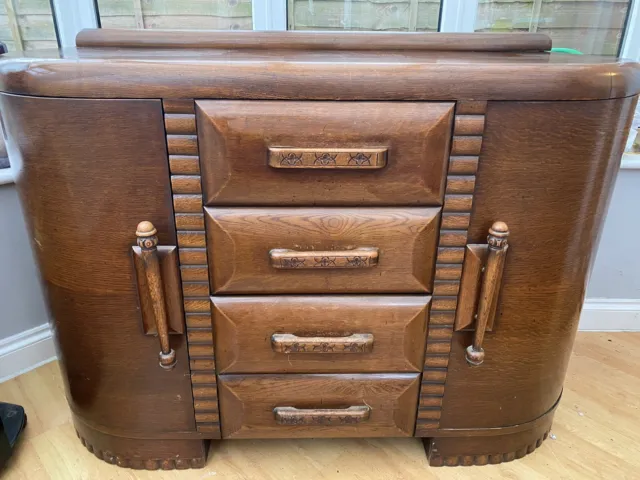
[539, 206]
[89, 172]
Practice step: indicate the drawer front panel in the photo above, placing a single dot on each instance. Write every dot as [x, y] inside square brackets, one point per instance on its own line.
[308, 250]
[323, 153]
[345, 405]
[320, 334]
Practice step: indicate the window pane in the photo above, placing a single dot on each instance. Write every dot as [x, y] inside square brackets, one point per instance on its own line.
[593, 27]
[388, 15]
[27, 25]
[176, 14]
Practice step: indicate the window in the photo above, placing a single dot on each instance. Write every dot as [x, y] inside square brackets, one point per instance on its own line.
[27, 25]
[176, 14]
[386, 15]
[603, 27]
[593, 27]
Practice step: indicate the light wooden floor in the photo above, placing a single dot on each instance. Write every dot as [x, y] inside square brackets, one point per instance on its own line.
[596, 434]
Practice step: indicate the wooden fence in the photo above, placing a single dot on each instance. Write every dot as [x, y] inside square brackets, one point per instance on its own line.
[592, 26]
[27, 24]
[179, 14]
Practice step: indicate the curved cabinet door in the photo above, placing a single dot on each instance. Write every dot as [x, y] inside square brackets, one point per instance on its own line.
[553, 194]
[90, 171]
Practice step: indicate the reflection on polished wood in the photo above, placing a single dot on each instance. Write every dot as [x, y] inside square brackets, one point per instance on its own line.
[596, 433]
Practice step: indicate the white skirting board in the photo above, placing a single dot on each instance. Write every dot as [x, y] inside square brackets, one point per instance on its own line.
[28, 350]
[610, 315]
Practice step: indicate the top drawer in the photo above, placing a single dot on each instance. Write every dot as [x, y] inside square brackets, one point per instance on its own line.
[323, 153]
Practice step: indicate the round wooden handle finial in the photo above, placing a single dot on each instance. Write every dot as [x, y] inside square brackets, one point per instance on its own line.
[499, 228]
[145, 229]
[474, 357]
[167, 360]
[498, 235]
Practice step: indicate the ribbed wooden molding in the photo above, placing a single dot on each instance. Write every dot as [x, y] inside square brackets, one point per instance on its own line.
[436, 460]
[458, 201]
[184, 165]
[143, 464]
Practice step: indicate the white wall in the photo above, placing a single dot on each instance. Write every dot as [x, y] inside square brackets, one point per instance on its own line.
[21, 298]
[616, 271]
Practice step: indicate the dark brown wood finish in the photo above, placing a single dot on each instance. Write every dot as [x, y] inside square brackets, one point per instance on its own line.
[317, 75]
[184, 165]
[498, 245]
[475, 257]
[247, 403]
[460, 185]
[150, 276]
[170, 277]
[96, 175]
[240, 239]
[483, 42]
[245, 326]
[553, 194]
[236, 138]
[345, 164]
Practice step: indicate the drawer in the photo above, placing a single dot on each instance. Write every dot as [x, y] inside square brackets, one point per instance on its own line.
[323, 153]
[320, 334]
[296, 406]
[321, 250]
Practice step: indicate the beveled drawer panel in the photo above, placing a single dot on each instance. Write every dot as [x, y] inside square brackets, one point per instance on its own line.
[297, 406]
[243, 243]
[323, 153]
[320, 334]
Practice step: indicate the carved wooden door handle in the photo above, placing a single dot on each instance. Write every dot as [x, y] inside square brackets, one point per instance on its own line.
[340, 158]
[321, 416]
[362, 257]
[147, 240]
[497, 250]
[288, 343]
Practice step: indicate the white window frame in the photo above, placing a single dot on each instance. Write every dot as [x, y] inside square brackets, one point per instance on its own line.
[269, 14]
[631, 50]
[71, 16]
[458, 15]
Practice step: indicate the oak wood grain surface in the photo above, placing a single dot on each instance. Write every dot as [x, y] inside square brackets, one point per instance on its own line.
[239, 241]
[90, 170]
[235, 138]
[553, 202]
[247, 404]
[82, 222]
[483, 42]
[299, 74]
[244, 326]
[595, 435]
[170, 278]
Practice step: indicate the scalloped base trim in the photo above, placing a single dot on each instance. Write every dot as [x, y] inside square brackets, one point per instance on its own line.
[144, 463]
[436, 460]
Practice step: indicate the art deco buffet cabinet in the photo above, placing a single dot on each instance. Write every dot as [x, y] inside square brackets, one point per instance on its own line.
[268, 235]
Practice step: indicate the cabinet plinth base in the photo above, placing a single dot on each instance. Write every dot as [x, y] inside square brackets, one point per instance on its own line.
[144, 454]
[493, 447]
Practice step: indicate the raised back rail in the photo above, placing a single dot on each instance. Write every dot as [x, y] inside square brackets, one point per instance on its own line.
[450, 42]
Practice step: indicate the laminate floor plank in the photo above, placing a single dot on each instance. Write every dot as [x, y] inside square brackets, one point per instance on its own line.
[595, 435]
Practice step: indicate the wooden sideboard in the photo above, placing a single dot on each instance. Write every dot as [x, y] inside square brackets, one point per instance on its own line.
[268, 235]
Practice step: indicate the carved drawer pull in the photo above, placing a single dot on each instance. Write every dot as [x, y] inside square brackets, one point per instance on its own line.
[147, 240]
[363, 257]
[288, 343]
[339, 158]
[497, 250]
[321, 416]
